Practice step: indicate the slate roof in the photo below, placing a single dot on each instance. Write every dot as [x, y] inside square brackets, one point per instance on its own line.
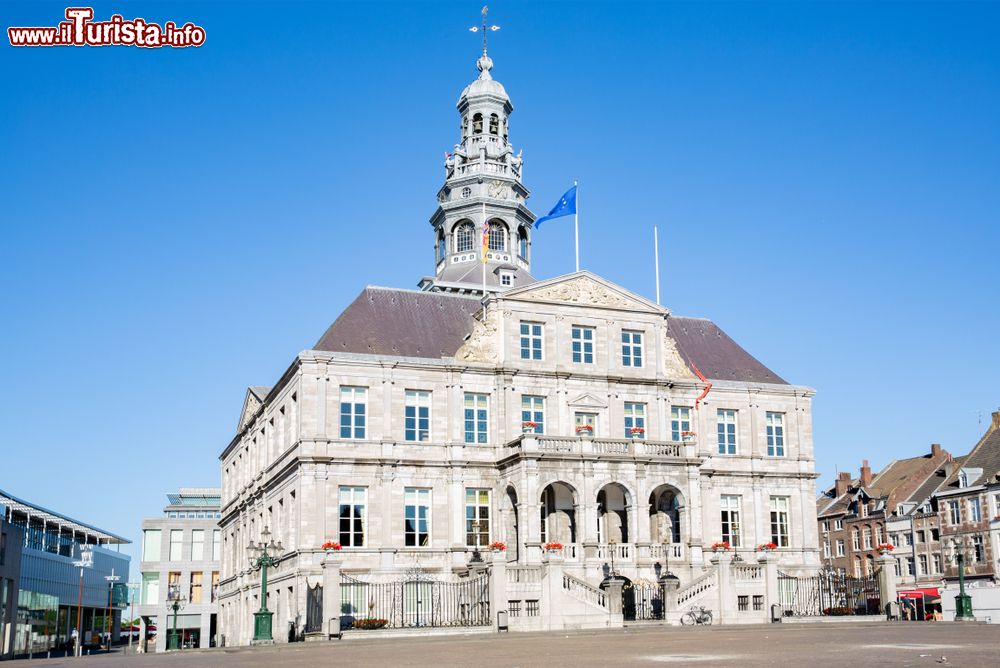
[934, 482]
[985, 456]
[410, 323]
[260, 391]
[718, 357]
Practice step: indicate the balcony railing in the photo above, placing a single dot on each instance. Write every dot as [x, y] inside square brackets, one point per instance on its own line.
[614, 447]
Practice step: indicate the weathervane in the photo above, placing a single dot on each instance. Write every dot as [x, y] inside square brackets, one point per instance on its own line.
[485, 28]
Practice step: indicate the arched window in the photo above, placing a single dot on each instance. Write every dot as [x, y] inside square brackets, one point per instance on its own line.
[522, 243]
[465, 126]
[464, 234]
[442, 249]
[477, 124]
[505, 129]
[498, 237]
[494, 124]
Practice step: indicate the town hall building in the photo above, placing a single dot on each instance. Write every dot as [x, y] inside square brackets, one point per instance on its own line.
[568, 418]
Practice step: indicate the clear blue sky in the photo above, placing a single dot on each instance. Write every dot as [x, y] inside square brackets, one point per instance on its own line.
[178, 224]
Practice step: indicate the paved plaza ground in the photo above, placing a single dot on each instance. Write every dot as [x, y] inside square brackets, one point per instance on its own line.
[789, 645]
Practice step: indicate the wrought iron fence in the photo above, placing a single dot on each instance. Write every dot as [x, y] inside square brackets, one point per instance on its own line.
[416, 601]
[642, 600]
[829, 593]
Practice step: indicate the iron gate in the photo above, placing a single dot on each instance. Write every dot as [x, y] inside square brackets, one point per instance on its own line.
[417, 600]
[314, 608]
[642, 600]
[829, 593]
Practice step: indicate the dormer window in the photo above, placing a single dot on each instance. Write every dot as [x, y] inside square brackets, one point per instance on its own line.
[963, 479]
[506, 278]
[477, 124]
[494, 124]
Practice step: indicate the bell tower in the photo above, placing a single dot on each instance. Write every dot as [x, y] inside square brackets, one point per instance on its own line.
[482, 173]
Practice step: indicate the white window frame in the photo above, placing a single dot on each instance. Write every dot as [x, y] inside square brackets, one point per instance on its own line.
[635, 416]
[780, 520]
[353, 407]
[497, 237]
[729, 519]
[476, 426]
[419, 500]
[727, 424]
[465, 237]
[838, 525]
[479, 509]
[841, 547]
[532, 340]
[680, 422]
[775, 423]
[352, 496]
[417, 402]
[582, 348]
[172, 554]
[954, 512]
[866, 537]
[533, 410]
[632, 352]
[975, 510]
[197, 544]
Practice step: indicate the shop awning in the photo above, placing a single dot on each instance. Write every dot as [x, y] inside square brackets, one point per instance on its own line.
[929, 592]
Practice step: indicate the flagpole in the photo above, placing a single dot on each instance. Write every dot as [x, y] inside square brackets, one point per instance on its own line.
[656, 252]
[483, 249]
[576, 225]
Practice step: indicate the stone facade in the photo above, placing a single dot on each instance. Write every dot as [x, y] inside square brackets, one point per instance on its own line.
[417, 461]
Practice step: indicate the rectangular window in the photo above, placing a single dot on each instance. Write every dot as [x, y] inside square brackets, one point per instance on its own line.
[196, 587]
[533, 410]
[150, 588]
[758, 602]
[417, 416]
[151, 545]
[775, 434]
[978, 550]
[727, 431]
[878, 536]
[582, 420]
[417, 517]
[856, 539]
[920, 536]
[955, 512]
[680, 422]
[935, 534]
[476, 417]
[635, 418]
[531, 608]
[867, 533]
[353, 515]
[742, 602]
[840, 547]
[531, 340]
[631, 348]
[583, 345]
[353, 402]
[922, 564]
[173, 585]
[910, 568]
[936, 561]
[215, 586]
[838, 524]
[730, 505]
[514, 608]
[216, 545]
[779, 520]
[827, 552]
[176, 540]
[826, 527]
[477, 517]
[975, 510]
[197, 544]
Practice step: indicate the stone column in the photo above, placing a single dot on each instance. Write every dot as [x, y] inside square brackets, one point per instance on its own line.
[331, 593]
[770, 564]
[887, 580]
[723, 561]
[614, 598]
[670, 586]
[552, 591]
[498, 586]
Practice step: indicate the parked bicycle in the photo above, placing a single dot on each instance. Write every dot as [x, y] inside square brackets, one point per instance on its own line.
[698, 614]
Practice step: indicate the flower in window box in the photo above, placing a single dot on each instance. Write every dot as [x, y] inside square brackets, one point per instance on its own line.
[498, 546]
[528, 427]
[721, 547]
[767, 547]
[585, 430]
[687, 435]
[885, 548]
[553, 547]
[637, 432]
[332, 546]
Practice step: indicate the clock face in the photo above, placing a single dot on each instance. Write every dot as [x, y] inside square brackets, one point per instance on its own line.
[498, 189]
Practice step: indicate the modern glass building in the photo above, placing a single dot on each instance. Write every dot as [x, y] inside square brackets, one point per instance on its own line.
[54, 595]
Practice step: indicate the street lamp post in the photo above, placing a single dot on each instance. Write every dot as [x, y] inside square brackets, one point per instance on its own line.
[961, 549]
[112, 579]
[86, 560]
[262, 556]
[176, 601]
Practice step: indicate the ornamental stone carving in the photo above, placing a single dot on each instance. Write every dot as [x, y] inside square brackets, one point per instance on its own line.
[249, 410]
[582, 290]
[673, 364]
[482, 343]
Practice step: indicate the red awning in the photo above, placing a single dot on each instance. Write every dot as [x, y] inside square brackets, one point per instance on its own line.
[918, 593]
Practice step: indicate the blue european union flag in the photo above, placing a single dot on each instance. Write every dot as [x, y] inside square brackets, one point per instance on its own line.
[565, 207]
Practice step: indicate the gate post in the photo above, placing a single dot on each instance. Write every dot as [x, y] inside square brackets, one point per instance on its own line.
[498, 588]
[723, 561]
[331, 594]
[552, 585]
[765, 559]
[887, 581]
[670, 584]
[616, 616]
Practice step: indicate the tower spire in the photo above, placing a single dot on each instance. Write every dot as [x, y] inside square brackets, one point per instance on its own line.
[484, 28]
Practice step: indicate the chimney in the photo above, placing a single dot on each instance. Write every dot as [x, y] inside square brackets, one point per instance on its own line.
[866, 474]
[842, 483]
[935, 450]
[996, 419]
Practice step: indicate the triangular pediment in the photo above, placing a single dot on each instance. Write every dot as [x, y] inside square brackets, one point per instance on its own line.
[588, 400]
[251, 404]
[585, 289]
